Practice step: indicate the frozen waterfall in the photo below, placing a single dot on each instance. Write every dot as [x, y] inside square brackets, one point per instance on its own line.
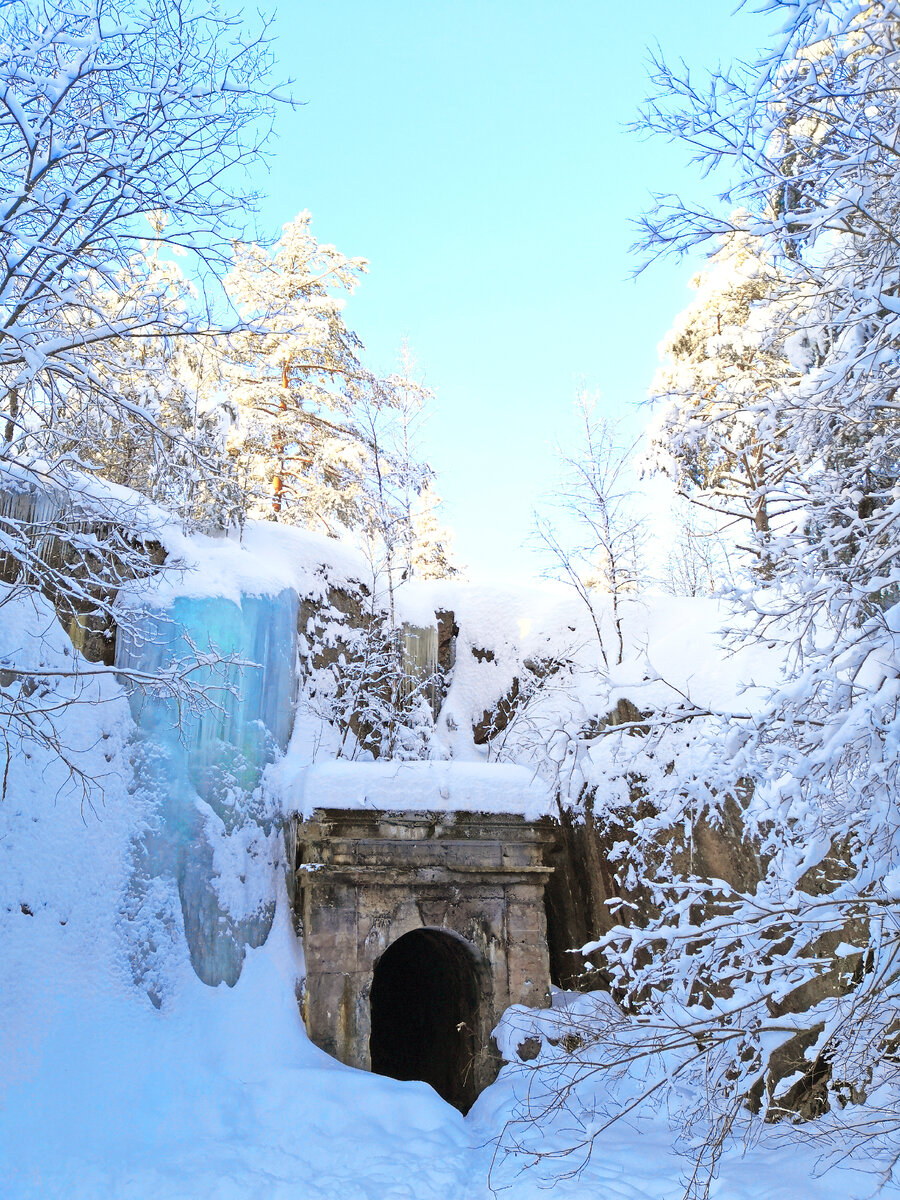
[211, 841]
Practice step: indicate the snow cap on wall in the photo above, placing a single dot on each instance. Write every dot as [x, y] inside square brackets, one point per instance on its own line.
[421, 787]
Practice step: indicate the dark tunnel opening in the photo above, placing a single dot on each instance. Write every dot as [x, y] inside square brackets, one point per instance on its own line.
[424, 1008]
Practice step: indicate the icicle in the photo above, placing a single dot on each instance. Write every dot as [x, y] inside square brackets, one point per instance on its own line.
[420, 660]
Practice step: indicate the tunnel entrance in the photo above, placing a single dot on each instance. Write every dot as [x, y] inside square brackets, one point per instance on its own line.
[392, 905]
[424, 1009]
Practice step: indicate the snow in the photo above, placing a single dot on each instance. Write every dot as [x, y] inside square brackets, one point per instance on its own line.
[217, 1094]
[221, 1097]
[266, 559]
[419, 787]
[141, 857]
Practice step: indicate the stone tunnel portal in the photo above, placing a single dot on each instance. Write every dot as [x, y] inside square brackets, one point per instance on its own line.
[415, 923]
[425, 1002]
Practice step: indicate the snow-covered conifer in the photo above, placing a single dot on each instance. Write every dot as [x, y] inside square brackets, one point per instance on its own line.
[431, 554]
[294, 371]
[719, 433]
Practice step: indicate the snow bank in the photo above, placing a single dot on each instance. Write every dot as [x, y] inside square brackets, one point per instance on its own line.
[220, 1098]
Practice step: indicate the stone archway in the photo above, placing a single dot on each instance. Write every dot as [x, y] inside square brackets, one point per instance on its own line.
[365, 880]
[426, 1006]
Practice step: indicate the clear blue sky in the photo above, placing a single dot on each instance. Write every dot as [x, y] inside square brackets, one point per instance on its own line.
[475, 152]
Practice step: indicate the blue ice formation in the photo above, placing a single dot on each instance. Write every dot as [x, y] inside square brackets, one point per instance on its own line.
[211, 838]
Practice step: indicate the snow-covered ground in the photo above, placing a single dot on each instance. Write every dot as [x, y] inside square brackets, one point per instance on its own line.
[222, 1097]
[217, 1093]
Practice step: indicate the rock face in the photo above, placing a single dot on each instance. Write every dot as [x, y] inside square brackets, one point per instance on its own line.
[79, 558]
[419, 930]
[380, 672]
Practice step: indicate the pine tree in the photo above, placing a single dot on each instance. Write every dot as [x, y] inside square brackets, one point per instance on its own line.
[720, 432]
[295, 374]
[430, 552]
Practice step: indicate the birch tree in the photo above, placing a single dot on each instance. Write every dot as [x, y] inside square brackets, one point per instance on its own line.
[596, 542]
